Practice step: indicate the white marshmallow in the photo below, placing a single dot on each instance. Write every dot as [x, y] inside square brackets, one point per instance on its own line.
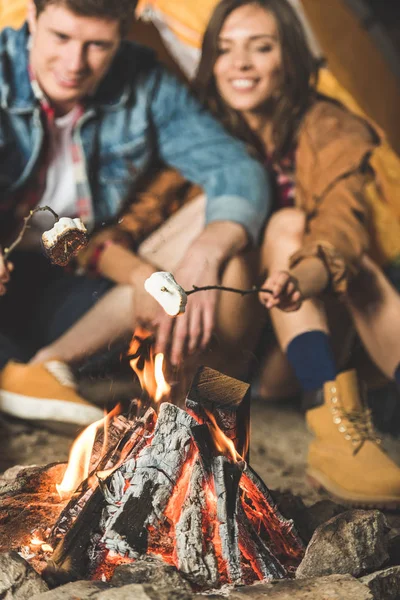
[65, 223]
[163, 287]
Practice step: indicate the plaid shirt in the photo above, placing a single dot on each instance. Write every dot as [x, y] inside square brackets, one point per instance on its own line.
[34, 193]
[283, 173]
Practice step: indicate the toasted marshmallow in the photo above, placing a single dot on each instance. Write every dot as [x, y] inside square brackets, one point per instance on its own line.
[163, 287]
[66, 238]
[64, 224]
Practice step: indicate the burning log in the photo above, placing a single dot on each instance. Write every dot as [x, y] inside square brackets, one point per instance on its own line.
[70, 535]
[157, 471]
[180, 489]
[195, 552]
[225, 398]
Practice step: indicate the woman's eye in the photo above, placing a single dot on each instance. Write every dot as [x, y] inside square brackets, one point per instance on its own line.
[266, 48]
[223, 51]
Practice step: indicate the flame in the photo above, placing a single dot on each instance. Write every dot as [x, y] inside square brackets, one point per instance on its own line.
[148, 366]
[221, 441]
[80, 455]
[149, 369]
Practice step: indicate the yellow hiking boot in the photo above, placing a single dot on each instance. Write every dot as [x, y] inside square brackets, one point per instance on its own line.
[44, 393]
[345, 458]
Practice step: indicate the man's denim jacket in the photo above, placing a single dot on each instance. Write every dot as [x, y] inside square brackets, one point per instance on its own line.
[137, 101]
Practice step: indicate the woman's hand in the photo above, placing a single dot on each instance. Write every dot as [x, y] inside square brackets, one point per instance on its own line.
[5, 269]
[285, 295]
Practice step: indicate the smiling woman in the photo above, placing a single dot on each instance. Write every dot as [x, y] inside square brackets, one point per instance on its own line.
[260, 70]
[249, 68]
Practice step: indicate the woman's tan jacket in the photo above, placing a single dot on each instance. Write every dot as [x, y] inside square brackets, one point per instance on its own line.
[332, 174]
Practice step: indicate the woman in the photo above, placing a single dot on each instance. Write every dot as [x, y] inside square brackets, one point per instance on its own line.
[258, 77]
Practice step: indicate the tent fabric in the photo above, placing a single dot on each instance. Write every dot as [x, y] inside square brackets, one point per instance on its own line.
[181, 23]
[12, 13]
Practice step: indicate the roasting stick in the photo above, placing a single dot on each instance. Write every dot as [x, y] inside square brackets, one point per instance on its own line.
[7, 251]
[253, 290]
[61, 243]
[173, 298]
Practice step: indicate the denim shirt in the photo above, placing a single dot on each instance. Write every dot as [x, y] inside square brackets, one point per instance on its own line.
[137, 101]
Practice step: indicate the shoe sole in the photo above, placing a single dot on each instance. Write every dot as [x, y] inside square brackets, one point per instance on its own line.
[48, 409]
[320, 482]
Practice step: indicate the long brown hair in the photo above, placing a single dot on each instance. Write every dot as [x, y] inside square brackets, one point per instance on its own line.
[299, 76]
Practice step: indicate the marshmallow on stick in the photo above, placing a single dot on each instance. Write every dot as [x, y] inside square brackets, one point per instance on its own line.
[163, 287]
[66, 238]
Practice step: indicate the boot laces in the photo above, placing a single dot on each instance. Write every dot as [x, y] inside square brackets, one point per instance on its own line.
[61, 372]
[363, 429]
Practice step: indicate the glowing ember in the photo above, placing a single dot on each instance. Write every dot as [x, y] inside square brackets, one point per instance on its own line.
[35, 541]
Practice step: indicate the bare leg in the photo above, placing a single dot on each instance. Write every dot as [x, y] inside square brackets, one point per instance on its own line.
[283, 237]
[276, 380]
[239, 322]
[375, 308]
[109, 319]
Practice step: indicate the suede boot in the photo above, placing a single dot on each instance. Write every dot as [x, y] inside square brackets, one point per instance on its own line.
[346, 458]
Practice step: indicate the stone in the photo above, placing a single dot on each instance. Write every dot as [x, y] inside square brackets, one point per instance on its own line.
[354, 542]
[97, 590]
[82, 590]
[137, 591]
[385, 584]
[320, 512]
[149, 571]
[128, 592]
[18, 580]
[394, 548]
[333, 587]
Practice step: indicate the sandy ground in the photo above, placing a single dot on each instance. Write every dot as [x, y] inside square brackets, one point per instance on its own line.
[278, 451]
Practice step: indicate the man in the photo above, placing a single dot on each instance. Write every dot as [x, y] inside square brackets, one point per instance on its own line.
[82, 113]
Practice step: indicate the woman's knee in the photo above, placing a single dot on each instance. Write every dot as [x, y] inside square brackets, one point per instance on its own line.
[239, 318]
[283, 236]
[286, 223]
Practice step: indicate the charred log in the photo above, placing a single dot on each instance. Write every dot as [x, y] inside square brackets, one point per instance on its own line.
[278, 533]
[71, 555]
[157, 470]
[228, 399]
[195, 551]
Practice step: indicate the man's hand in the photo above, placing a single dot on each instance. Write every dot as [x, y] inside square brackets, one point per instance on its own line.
[5, 269]
[147, 312]
[286, 294]
[191, 331]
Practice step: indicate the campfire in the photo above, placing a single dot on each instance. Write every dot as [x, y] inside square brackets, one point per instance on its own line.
[157, 480]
